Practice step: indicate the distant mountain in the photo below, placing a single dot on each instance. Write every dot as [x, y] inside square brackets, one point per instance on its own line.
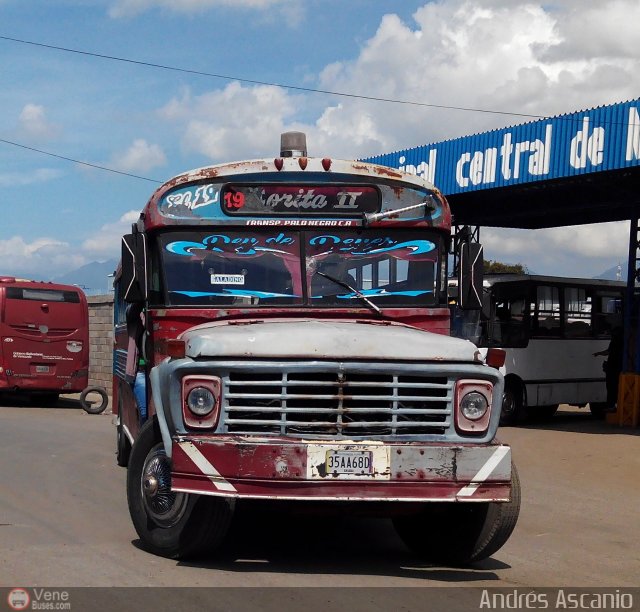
[612, 273]
[93, 277]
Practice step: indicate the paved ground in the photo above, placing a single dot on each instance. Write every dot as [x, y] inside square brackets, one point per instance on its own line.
[64, 517]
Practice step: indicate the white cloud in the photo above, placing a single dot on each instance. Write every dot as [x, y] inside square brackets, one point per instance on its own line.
[130, 8]
[39, 259]
[586, 250]
[497, 56]
[233, 123]
[500, 56]
[34, 123]
[597, 31]
[44, 258]
[139, 157]
[105, 243]
[21, 179]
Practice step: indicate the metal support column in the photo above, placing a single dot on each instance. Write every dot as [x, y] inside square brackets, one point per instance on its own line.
[628, 408]
[631, 357]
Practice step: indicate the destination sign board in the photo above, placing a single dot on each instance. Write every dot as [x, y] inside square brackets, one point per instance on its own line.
[294, 199]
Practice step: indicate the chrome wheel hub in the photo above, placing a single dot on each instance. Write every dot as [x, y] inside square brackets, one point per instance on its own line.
[150, 486]
[162, 505]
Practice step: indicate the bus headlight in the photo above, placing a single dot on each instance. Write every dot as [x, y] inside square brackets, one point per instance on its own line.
[201, 398]
[473, 406]
[201, 401]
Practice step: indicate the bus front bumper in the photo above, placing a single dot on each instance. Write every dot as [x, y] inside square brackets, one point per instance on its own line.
[345, 471]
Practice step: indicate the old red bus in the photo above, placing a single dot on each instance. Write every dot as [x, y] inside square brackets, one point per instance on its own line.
[293, 346]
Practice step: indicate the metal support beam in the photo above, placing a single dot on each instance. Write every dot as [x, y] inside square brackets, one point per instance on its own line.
[631, 357]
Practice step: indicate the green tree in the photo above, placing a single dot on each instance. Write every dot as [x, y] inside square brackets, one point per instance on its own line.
[497, 267]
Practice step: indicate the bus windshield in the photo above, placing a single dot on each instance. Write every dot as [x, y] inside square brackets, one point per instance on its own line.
[296, 267]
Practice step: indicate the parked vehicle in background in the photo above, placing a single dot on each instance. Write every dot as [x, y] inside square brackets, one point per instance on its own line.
[297, 352]
[44, 339]
[550, 328]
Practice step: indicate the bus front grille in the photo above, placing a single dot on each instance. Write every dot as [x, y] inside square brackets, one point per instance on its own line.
[343, 404]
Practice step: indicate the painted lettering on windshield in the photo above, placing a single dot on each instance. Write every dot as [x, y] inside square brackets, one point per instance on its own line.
[372, 246]
[235, 245]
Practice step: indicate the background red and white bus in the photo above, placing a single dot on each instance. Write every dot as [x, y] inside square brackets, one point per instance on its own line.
[44, 339]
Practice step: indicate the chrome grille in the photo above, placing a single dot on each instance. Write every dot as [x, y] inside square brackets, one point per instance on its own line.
[336, 403]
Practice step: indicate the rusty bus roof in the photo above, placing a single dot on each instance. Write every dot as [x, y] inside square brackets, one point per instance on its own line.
[280, 170]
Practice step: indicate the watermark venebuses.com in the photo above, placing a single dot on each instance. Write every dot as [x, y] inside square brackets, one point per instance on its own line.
[38, 599]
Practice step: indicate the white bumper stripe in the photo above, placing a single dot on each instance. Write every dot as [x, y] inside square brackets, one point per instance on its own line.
[485, 471]
[205, 467]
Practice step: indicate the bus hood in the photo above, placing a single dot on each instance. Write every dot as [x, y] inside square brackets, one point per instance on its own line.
[312, 339]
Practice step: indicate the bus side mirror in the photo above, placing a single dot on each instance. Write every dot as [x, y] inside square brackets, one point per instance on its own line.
[134, 268]
[470, 274]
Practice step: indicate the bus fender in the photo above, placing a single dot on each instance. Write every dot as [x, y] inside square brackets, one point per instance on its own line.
[156, 390]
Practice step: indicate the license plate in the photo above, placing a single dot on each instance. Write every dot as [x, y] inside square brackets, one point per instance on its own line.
[42, 369]
[349, 462]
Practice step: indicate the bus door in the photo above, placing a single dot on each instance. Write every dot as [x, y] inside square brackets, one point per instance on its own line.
[45, 339]
[508, 316]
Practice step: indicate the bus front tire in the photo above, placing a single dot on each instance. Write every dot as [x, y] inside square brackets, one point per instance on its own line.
[170, 524]
[460, 533]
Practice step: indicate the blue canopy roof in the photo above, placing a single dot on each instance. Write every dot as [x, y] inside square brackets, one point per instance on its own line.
[582, 167]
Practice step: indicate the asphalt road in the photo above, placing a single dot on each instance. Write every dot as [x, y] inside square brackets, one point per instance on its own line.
[64, 518]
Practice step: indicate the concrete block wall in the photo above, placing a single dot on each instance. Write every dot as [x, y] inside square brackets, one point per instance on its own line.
[101, 341]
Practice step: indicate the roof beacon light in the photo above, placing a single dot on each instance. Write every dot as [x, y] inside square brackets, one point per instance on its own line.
[293, 144]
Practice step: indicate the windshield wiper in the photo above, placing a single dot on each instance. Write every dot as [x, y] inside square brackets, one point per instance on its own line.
[429, 202]
[363, 297]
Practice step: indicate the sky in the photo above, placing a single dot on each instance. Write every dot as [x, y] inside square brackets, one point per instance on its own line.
[261, 58]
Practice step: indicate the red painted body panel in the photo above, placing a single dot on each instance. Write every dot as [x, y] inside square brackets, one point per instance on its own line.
[240, 467]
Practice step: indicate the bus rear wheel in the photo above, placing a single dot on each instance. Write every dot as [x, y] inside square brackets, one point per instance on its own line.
[461, 533]
[512, 404]
[170, 524]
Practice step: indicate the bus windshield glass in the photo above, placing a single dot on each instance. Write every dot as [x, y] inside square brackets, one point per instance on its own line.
[389, 267]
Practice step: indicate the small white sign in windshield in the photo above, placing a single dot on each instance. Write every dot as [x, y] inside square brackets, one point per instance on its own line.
[227, 279]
